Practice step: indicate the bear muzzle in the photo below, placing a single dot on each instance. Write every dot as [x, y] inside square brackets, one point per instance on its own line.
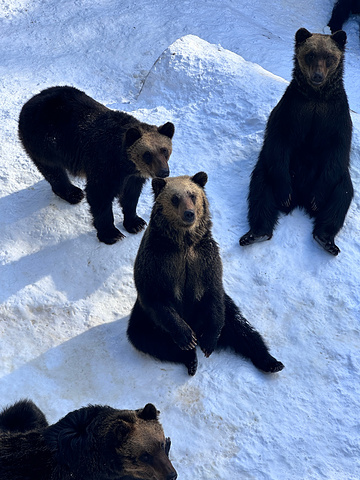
[189, 216]
[317, 78]
[163, 172]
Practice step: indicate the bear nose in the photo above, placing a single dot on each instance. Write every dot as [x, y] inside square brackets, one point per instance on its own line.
[163, 172]
[318, 77]
[171, 476]
[189, 216]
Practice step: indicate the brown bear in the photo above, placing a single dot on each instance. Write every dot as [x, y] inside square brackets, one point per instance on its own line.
[304, 160]
[181, 301]
[92, 443]
[64, 130]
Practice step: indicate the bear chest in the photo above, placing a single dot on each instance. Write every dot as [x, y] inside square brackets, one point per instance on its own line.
[189, 278]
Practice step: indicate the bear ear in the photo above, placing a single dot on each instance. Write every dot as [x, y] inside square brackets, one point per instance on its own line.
[149, 412]
[167, 129]
[339, 38]
[301, 35]
[158, 185]
[200, 179]
[131, 135]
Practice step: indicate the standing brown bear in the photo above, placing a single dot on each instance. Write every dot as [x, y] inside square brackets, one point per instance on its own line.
[181, 301]
[92, 443]
[63, 129]
[304, 161]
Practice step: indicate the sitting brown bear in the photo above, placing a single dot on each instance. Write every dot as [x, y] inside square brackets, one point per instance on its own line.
[181, 301]
[92, 443]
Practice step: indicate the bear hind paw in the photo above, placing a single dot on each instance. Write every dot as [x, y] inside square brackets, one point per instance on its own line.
[327, 243]
[71, 194]
[268, 365]
[250, 238]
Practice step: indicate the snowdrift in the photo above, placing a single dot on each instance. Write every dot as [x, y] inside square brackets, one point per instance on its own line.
[65, 298]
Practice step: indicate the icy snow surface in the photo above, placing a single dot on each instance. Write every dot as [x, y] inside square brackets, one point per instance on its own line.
[216, 69]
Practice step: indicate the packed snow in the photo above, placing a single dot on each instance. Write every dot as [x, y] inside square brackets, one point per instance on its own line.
[215, 69]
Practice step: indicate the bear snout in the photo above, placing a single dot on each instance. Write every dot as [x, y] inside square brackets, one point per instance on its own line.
[317, 78]
[163, 172]
[189, 216]
[172, 476]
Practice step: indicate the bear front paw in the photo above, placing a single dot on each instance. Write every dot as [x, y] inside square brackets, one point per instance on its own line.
[135, 225]
[188, 340]
[110, 236]
[269, 364]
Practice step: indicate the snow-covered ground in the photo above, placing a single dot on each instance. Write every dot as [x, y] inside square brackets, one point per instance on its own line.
[215, 69]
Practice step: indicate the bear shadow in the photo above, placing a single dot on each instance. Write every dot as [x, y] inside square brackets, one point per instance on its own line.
[65, 253]
[98, 366]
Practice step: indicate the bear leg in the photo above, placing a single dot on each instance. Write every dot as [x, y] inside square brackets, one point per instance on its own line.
[263, 212]
[128, 200]
[329, 219]
[60, 183]
[245, 340]
[100, 202]
[154, 341]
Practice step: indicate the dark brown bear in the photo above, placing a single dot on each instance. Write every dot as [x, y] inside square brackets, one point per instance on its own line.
[93, 443]
[304, 161]
[181, 301]
[64, 130]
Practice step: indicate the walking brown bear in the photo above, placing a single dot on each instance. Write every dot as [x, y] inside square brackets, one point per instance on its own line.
[63, 129]
[181, 301]
[304, 161]
[92, 443]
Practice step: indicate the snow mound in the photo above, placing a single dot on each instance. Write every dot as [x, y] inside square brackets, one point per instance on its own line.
[194, 72]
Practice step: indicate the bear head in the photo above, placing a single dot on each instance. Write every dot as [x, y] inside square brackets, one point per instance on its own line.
[319, 56]
[182, 200]
[149, 148]
[99, 442]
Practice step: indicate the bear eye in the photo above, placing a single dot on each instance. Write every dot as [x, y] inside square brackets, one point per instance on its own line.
[329, 60]
[164, 151]
[146, 457]
[147, 157]
[309, 57]
[192, 197]
[175, 200]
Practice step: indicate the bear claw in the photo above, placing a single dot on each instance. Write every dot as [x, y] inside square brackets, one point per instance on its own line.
[192, 366]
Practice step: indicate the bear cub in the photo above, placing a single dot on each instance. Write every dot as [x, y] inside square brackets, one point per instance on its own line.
[92, 443]
[64, 130]
[304, 160]
[181, 301]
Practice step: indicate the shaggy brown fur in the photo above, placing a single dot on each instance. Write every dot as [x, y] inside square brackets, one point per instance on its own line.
[305, 157]
[64, 130]
[181, 301]
[93, 443]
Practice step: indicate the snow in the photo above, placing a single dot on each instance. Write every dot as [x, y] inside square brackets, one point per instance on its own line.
[216, 69]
